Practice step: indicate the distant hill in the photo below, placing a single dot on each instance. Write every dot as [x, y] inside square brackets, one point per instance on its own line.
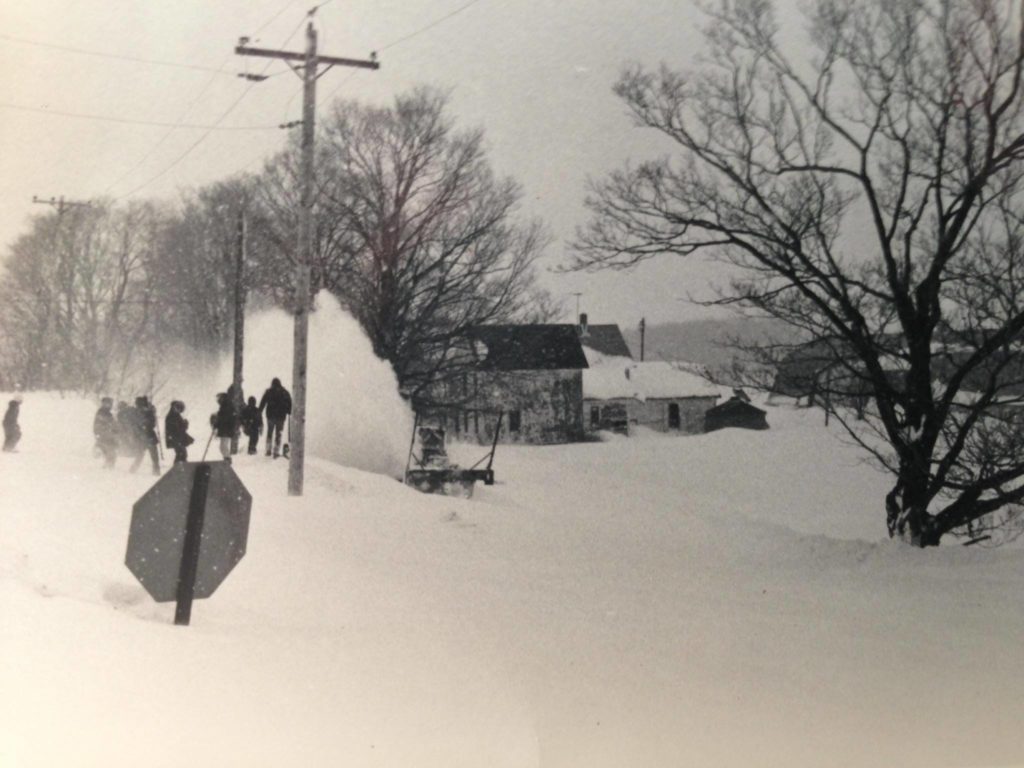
[711, 343]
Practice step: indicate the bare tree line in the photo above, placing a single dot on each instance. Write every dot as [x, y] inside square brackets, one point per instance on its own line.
[414, 235]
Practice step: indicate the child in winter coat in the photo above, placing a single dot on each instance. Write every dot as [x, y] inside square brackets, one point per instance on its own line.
[252, 424]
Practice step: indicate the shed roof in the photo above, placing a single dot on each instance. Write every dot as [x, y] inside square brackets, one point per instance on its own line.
[612, 377]
[529, 347]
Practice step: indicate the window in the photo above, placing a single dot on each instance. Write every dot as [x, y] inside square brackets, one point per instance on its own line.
[514, 420]
[673, 416]
[595, 416]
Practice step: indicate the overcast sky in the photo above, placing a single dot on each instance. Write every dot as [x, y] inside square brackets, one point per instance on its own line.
[536, 74]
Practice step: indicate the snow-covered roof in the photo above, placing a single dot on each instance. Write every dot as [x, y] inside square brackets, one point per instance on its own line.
[611, 377]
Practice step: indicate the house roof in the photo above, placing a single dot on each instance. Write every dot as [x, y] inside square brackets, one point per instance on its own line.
[612, 377]
[606, 339]
[529, 347]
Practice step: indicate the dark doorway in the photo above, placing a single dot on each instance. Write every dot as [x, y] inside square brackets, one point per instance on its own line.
[673, 415]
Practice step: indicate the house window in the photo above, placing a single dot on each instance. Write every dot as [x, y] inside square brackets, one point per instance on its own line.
[595, 416]
[514, 420]
[673, 416]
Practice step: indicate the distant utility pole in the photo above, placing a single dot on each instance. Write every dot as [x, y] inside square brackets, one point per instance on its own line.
[577, 295]
[61, 204]
[310, 72]
[236, 377]
[643, 331]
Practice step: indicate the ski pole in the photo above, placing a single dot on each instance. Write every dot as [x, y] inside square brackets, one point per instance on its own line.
[212, 433]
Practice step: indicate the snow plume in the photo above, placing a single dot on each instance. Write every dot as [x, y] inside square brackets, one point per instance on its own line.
[355, 415]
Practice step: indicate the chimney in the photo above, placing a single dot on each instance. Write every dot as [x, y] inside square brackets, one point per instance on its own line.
[583, 323]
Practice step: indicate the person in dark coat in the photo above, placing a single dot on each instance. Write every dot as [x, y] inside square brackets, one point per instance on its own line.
[127, 439]
[104, 429]
[252, 424]
[176, 431]
[223, 423]
[277, 402]
[145, 434]
[12, 431]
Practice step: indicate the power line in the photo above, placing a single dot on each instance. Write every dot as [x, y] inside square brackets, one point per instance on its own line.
[431, 25]
[407, 37]
[106, 55]
[191, 105]
[131, 121]
[205, 135]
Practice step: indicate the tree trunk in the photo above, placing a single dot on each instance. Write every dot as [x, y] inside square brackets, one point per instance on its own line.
[907, 511]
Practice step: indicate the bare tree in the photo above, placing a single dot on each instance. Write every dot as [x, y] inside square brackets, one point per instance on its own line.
[425, 242]
[869, 194]
[76, 297]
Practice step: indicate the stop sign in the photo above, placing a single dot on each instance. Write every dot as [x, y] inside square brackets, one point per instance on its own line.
[156, 539]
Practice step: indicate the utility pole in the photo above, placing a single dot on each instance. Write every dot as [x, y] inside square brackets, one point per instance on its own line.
[643, 331]
[310, 73]
[236, 378]
[61, 204]
[577, 295]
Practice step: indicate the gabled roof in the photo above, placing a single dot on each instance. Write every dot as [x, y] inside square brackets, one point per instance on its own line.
[606, 339]
[529, 347]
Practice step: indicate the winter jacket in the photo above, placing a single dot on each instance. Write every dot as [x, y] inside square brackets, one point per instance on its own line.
[252, 421]
[224, 419]
[104, 428]
[277, 402]
[176, 431]
[145, 424]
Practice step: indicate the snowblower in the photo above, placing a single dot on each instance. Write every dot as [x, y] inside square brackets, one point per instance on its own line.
[434, 473]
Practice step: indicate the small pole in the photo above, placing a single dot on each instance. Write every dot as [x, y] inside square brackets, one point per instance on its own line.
[494, 445]
[193, 539]
[643, 333]
[239, 325]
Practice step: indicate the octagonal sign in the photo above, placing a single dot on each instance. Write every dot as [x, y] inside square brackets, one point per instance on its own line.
[156, 540]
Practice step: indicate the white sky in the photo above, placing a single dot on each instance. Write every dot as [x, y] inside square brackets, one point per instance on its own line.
[536, 75]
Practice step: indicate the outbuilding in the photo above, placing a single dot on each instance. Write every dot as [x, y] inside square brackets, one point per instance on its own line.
[735, 412]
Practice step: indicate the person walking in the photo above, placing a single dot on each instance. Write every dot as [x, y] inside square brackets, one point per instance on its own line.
[104, 429]
[12, 431]
[176, 431]
[277, 402]
[145, 433]
[127, 439]
[223, 423]
[252, 424]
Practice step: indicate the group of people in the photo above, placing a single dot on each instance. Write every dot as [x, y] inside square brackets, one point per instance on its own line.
[133, 430]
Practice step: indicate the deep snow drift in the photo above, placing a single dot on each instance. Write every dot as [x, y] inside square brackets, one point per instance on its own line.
[714, 600]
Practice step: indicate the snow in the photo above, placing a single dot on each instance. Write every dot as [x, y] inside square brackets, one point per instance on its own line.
[717, 600]
[609, 377]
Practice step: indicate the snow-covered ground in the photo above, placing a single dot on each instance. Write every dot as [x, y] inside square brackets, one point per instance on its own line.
[716, 600]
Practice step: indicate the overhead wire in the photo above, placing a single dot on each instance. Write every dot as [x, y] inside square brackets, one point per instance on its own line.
[205, 135]
[188, 108]
[132, 121]
[108, 55]
[405, 38]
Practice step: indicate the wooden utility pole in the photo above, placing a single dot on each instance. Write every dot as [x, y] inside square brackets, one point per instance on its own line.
[643, 332]
[236, 377]
[61, 204]
[310, 73]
